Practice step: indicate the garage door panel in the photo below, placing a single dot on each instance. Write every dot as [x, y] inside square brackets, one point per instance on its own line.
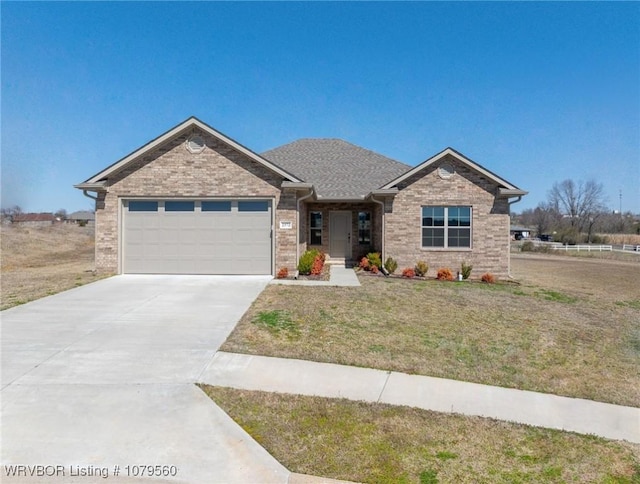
[227, 238]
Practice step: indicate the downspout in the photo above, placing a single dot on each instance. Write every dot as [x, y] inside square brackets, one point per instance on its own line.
[511, 203]
[86, 194]
[298, 225]
[382, 251]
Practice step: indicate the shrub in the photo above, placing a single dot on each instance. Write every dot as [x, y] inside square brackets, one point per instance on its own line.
[364, 263]
[527, 246]
[391, 265]
[374, 259]
[318, 264]
[306, 261]
[374, 269]
[421, 268]
[408, 272]
[488, 278]
[465, 269]
[445, 274]
[283, 273]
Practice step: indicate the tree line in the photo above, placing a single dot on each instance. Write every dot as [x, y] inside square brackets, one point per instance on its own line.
[575, 212]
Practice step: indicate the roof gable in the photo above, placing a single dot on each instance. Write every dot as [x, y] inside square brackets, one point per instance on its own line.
[501, 182]
[171, 134]
[337, 169]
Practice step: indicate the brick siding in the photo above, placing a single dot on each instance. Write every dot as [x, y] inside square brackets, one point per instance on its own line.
[490, 221]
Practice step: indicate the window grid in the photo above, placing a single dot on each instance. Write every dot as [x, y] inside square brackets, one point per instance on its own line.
[446, 227]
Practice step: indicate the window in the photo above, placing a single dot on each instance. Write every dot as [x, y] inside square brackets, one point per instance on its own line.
[143, 206]
[179, 206]
[216, 206]
[259, 206]
[364, 228]
[446, 227]
[315, 228]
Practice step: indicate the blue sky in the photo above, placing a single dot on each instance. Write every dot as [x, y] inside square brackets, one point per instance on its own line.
[536, 92]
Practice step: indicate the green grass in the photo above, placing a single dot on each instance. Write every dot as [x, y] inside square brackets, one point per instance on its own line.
[379, 443]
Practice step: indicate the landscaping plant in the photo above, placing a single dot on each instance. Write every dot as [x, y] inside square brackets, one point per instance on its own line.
[421, 268]
[409, 273]
[374, 259]
[465, 269]
[488, 278]
[444, 274]
[391, 265]
[283, 273]
[306, 261]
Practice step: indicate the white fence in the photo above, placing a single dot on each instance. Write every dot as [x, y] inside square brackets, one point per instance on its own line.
[586, 248]
[634, 248]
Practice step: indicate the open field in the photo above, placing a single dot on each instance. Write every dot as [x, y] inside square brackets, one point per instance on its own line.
[572, 327]
[37, 262]
[380, 443]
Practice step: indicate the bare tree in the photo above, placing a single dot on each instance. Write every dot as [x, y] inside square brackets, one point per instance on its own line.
[61, 213]
[580, 202]
[10, 212]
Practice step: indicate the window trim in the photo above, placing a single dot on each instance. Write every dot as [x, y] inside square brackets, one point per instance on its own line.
[318, 229]
[446, 228]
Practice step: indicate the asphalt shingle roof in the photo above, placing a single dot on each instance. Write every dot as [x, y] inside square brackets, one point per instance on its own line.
[337, 169]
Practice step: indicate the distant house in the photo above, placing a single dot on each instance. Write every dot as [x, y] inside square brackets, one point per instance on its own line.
[82, 217]
[34, 219]
[518, 233]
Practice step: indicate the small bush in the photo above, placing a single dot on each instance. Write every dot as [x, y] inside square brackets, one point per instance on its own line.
[306, 261]
[445, 274]
[318, 264]
[374, 269]
[465, 269]
[283, 273]
[391, 265]
[488, 278]
[364, 264]
[527, 246]
[421, 268]
[409, 273]
[374, 259]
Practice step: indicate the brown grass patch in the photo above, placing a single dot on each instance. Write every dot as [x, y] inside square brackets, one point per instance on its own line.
[571, 328]
[38, 262]
[367, 442]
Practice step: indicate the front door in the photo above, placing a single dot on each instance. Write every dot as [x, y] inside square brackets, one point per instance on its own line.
[340, 235]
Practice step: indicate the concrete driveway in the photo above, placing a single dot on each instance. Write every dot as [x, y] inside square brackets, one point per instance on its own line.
[100, 377]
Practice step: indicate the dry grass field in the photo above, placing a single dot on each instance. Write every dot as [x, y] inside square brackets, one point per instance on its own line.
[571, 326]
[38, 262]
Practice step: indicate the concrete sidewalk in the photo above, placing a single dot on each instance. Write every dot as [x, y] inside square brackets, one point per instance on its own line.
[338, 276]
[442, 395]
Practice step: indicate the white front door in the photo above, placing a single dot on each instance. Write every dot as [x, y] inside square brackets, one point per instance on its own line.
[340, 235]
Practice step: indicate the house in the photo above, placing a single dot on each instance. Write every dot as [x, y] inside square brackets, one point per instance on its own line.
[34, 219]
[82, 217]
[195, 201]
[517, 232]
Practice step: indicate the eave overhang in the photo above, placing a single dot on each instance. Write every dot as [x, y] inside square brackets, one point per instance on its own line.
[508, 193]
[100, 186]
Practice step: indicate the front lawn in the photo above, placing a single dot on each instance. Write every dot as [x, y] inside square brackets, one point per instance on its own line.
[366, 442]
[577, 336]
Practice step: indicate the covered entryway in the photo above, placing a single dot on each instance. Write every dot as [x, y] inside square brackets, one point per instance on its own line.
[197, 237]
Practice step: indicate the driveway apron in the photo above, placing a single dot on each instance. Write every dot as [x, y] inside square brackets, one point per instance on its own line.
[99, 380]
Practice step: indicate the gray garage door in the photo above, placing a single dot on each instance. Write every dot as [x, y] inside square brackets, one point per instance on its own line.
[197, 237]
